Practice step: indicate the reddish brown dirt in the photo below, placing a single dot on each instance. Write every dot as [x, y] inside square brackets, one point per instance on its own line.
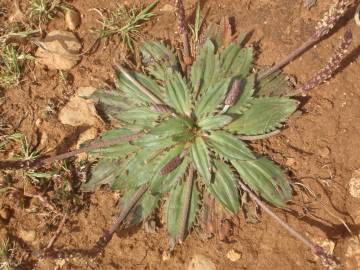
[319, 147]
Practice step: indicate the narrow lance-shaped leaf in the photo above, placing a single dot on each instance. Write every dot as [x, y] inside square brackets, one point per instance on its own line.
[164, 183]
[142, 209]
[158, 58]
[266, 179]
[224, 187]
[264, 115]
[235, 61]
[171, 126]
[215, 122]
[112, 98]
[143, 117]
[209, 102]
[229, 146]
[133, 91]
[174, 209]
[117, 151]
[274, 85]
[200, 156]
[104, 172]
[152, 170]
[177, 93]
[204, 69]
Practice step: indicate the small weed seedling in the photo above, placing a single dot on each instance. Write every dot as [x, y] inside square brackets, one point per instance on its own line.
[5, 252]
[10, 70]
[43, 11]
[124, 22]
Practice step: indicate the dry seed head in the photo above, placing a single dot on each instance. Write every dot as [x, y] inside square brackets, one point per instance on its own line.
[180, 15]
[233, 94]
[330, 18]
[170, 166]
[333, 64]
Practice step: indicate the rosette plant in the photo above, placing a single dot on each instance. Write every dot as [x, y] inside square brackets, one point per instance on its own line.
[187, 131]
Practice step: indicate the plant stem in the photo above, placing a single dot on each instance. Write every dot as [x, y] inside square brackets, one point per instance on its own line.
[180, 15]
[18, 164]
[309, 43]
[335, 12]
[318, 250]
[186, 205]
[107, 235]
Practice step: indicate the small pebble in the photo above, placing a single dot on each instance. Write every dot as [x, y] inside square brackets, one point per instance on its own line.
[200, 262]
[27, 236]
[233, 255]
[354, 184]
[324, 152]
[165, 256]
[5, 214]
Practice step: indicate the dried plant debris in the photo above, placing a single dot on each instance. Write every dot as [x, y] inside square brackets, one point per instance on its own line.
[309, 3]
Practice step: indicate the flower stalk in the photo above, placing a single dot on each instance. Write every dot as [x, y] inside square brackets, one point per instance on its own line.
[336, 11]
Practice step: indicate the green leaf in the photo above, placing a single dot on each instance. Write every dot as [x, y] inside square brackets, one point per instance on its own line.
[264, 115]
[266, 179]
[153, 141]
[224, 188]
[150, 167]
[104, 172]
[174, 208]
[209, 102]
[229, 146]
[158, 58]
[171, 126]
[112, 98]
[214, 122]
[142, 209]
[133, 92]
[204, 69]
[200, 156]
[177, 93]
[274, 85]
[162, 184]
[116, 151]
[235, 61]
[141, 116]
[244, 99]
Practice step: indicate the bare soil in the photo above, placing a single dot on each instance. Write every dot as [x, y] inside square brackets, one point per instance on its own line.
[319, 148]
